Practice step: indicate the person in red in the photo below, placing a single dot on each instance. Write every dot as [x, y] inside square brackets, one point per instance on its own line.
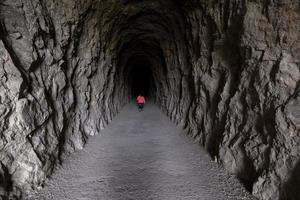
[140, 101]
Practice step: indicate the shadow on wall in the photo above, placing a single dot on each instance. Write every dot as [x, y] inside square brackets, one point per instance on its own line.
[5, 183]
[291, 188]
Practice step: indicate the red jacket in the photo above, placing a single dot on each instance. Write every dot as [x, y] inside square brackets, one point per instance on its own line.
[140, 99]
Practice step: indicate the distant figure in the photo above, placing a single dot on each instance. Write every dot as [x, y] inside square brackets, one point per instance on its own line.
[140, 101]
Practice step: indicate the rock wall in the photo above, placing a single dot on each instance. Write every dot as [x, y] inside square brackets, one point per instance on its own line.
[225, 70]
[244, 106]
[56, 87]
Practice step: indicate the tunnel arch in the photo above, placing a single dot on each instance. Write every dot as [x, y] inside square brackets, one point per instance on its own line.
[142, 49]
[225, 69]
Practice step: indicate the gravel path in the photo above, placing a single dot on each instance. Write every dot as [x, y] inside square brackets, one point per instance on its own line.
[141, 156]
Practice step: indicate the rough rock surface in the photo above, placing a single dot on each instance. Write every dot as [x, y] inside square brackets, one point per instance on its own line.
[228, 71]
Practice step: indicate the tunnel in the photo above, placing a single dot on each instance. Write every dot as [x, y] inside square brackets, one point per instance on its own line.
[140, 78]
[226, 72]
[138, 63]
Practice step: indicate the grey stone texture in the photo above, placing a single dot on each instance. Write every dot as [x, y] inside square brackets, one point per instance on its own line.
[227, 71]
[141, 155]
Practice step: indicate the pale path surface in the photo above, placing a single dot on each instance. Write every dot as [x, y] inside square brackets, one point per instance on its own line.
[141, 156]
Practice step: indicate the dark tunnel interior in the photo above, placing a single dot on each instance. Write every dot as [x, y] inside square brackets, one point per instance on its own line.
[141, 66]
[140, 78]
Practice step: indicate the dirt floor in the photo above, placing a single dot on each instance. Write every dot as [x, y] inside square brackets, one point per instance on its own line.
[141, 156]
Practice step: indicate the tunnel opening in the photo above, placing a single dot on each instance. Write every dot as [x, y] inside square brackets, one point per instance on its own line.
[142, 66]
[140, 78]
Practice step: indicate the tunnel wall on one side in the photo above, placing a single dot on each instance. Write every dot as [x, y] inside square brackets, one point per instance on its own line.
[242, 100]
[57, 87]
